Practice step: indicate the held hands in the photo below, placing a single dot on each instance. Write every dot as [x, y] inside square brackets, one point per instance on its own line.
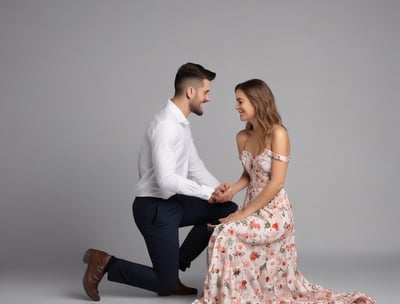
[223, 193]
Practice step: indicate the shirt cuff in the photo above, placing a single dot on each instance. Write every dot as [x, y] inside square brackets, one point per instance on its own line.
[206, 192]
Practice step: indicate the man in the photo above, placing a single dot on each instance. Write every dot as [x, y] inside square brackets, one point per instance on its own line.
[175, 190]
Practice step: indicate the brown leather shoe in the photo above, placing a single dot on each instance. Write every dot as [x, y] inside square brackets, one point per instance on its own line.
[180, 290]
[97, 261]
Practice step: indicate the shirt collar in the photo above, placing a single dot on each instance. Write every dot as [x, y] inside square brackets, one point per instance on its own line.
[177, 113]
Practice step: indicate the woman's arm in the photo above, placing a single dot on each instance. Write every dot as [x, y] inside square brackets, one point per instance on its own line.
[244, 179]
[225, 191]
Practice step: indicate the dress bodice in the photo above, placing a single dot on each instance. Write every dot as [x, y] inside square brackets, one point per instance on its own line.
[259, 169]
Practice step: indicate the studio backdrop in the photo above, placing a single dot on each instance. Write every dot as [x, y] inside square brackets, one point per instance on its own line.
[79, 81]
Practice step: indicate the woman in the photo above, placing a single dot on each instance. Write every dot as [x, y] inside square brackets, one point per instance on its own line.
[252, 254]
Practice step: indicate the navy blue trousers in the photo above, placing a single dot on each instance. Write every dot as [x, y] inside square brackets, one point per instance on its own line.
[158, 221]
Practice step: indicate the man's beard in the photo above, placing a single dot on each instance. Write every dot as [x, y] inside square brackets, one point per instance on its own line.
[196, 109]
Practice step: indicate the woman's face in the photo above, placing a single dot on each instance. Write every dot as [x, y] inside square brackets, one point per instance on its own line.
[245, 108]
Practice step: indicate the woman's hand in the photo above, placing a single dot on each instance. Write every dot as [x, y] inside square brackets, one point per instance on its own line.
[235, 216]
[222, 193]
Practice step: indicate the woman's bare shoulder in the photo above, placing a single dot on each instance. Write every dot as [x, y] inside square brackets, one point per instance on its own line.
[279, 131]
[241, 138]
[242, 135]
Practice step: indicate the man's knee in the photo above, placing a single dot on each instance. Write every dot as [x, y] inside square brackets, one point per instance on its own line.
[230, 207]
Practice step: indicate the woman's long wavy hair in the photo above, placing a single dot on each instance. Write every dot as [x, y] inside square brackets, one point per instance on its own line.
[261, 97]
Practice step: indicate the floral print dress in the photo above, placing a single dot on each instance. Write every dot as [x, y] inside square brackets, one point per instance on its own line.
[253, 261]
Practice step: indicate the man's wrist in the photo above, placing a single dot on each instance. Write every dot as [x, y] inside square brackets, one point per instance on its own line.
[206, 192]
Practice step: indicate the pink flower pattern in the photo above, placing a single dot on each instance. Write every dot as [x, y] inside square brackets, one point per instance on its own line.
[254, 261]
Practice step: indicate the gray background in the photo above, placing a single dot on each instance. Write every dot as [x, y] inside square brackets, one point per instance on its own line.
[79, 80]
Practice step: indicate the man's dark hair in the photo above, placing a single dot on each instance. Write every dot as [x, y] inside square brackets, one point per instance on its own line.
[191, 71]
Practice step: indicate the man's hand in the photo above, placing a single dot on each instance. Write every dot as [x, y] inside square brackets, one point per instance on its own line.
[223, 193]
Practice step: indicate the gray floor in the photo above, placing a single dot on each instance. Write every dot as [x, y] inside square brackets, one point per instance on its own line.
[378, 277]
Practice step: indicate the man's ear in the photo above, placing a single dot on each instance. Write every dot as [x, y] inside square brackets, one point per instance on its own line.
[189, 92]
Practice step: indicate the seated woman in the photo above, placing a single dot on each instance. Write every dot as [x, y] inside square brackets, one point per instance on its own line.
[252, 253]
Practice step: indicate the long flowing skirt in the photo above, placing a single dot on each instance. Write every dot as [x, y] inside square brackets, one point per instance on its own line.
[254, 261]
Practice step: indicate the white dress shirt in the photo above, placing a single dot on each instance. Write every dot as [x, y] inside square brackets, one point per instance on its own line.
[168, 161]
